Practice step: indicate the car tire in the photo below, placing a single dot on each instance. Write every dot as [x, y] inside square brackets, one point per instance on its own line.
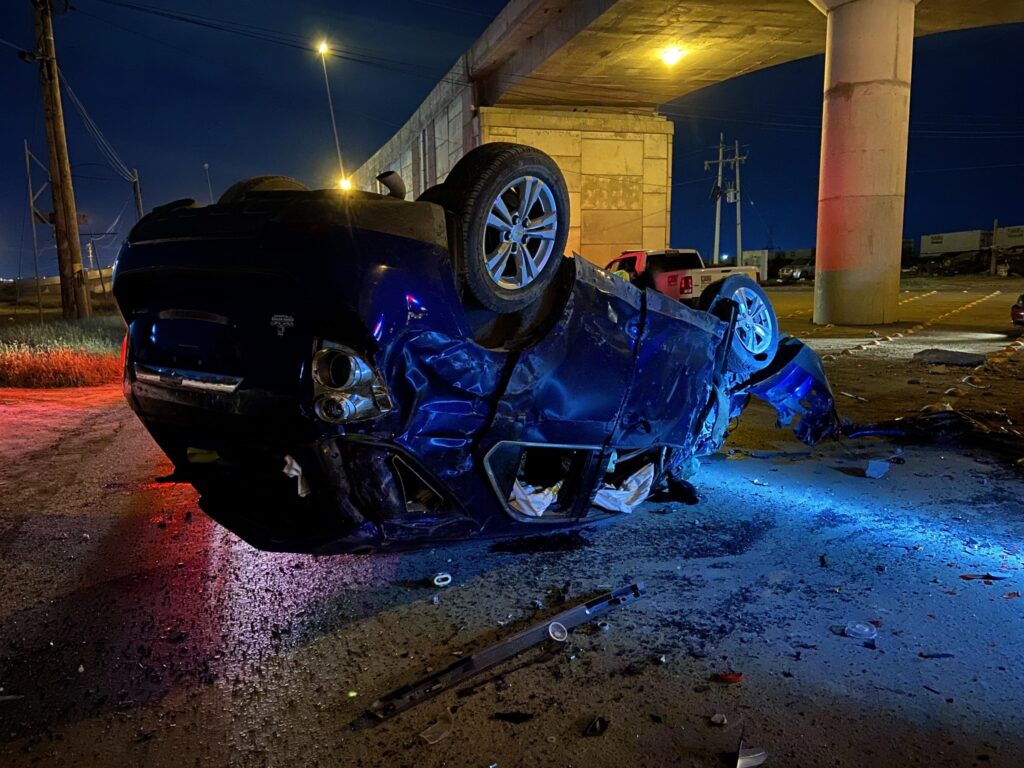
[512, 207]
[238, 191]
[756, 335]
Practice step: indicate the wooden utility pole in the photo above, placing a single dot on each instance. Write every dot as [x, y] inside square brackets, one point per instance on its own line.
[74, 294]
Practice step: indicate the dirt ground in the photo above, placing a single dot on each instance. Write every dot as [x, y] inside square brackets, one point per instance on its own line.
[134, 631]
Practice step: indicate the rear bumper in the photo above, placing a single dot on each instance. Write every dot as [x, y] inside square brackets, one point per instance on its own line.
[344, 493]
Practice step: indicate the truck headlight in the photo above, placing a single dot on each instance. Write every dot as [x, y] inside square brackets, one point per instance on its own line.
[345, 386]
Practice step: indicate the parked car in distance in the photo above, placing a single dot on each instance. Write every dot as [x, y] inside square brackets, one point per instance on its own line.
[794, 272]
[1017, 311]
[679, 273]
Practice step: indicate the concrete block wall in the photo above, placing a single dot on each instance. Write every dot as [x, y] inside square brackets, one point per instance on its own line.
[617, 165]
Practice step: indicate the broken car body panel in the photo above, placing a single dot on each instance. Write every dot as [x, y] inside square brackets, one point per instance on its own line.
[242, 297]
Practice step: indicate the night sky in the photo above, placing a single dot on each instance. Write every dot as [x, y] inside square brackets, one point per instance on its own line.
[171, 96]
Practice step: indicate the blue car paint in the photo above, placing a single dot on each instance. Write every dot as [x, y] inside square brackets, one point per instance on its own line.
[620, 369]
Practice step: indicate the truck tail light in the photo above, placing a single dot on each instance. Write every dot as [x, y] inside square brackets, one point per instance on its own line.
[687, 286]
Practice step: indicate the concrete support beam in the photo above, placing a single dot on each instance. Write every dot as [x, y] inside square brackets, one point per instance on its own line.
[866, 113]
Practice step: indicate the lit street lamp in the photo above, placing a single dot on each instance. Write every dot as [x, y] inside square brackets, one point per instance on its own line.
[343, 181]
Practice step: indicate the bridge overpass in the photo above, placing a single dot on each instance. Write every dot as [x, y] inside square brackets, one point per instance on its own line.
[583, 79]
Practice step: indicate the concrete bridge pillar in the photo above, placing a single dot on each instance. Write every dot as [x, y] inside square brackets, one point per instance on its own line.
[863, 173]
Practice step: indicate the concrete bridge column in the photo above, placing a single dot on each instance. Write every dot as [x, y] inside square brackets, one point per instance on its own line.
[862, 181]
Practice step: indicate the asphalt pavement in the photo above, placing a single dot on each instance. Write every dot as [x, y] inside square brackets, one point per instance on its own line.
[134, 631]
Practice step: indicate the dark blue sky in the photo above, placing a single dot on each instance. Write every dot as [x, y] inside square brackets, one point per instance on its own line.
[171, 96]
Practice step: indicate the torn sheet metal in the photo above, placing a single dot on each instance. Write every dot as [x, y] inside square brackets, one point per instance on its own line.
[796, 386]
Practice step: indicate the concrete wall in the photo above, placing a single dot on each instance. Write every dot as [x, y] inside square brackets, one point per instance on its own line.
[441, 130]
[618, 167]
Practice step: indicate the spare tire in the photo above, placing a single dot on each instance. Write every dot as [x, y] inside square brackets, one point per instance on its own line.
[756, 336]
[513, 207]
[238, 191]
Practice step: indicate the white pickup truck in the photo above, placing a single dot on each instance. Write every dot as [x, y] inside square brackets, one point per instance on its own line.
[678, 272]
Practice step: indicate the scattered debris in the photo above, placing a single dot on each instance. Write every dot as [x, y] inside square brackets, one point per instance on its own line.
[823, 561]
[516, 717]
[426, 688]
[1011, 595]
[552, 542]
[924, 655]
[719, 720]
[291, 469]
[728, 678]
[442, 579]
[558, 632]
[860, 631]
[597, 726]
[949, 357]
[440, 729]
[877, 468]
[604, 626]
[983, 576]
[975, 382]
[990, 430]
[749, 757]
[855, 397]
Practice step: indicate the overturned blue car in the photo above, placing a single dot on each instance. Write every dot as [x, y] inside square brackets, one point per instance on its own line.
[352, 372]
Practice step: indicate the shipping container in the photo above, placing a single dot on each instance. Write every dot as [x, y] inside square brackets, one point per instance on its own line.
[1010, 238]
[955, 242]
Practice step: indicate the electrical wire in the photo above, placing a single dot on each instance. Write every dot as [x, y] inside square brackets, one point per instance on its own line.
[9, 44]
[106, 149]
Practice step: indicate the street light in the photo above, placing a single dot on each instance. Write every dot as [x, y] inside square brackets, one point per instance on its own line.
[323, 49]
[672, 55]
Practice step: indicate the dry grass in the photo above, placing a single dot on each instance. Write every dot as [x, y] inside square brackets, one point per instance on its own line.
[23, 367]
[60, 354]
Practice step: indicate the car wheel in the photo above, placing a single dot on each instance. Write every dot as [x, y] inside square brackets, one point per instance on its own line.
[238, 191]
[756, 336]
[513, 206]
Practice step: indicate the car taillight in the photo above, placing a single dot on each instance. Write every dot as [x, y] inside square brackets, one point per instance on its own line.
[124, 351]
[345, 387]
[687, 284]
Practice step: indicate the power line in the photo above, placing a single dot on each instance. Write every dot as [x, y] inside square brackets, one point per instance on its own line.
[9, 44]
[106, 149]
